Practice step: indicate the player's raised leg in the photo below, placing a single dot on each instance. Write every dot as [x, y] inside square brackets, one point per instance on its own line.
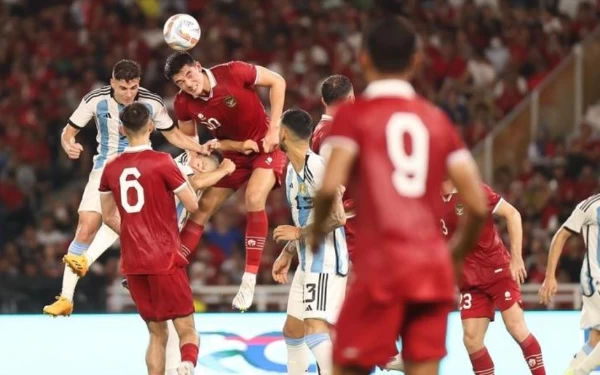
[516, 326]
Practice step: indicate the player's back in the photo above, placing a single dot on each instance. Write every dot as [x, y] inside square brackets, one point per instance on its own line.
[144, 192]
[404, 145]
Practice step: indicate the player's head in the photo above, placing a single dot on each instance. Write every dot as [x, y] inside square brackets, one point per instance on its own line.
[186, 72]
[136, 121]
[389, 49]
[209, 163]
[336, 89]
[125, 81]
[296, 127]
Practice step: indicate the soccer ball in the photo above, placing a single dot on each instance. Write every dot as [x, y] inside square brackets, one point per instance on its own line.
[181, 32]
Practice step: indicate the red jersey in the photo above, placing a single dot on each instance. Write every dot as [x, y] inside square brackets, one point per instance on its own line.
[403, 145]
[232, 109]
[143, 183]
[321, 132]
[490, 251]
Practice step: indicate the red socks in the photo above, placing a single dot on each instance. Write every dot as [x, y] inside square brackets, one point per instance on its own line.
[190, 238]
[257, 228]
[189, 353]
[482, 362]
[533, 355]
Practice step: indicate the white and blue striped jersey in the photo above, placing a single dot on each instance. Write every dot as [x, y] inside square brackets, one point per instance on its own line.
[187, 172]
[301, 188]
[585, 220]
[101, 106]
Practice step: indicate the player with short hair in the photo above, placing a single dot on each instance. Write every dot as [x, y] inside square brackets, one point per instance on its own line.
[490, 279]
[584, 221]
[319, 283]
[137, 192]
[223, 99]
[398, 148]
[103, 106]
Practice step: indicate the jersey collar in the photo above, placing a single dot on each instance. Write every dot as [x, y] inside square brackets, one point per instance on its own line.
[137, 148]
[213, 83]
[390, 88]
[446, 198]
[325, 117]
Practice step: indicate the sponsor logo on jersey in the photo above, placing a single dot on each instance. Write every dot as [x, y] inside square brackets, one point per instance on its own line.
[460, 209]
[230, 101]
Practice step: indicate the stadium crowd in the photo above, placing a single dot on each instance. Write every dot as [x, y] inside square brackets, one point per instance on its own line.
[482, 58]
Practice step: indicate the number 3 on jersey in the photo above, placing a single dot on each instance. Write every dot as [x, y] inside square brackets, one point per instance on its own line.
[126, 184]
[410, 171]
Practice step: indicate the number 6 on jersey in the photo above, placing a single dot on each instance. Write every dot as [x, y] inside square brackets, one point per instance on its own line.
[126, 184]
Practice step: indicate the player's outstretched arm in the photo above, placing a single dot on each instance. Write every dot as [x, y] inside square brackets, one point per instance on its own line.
[549, 286]
[179, 139]
[465, 176]
[515, 234]
[276, 84]
[201, 181]
[110, 214]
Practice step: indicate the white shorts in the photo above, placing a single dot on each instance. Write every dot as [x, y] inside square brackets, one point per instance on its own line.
[590, 313]
[90, 201]
[316, 296]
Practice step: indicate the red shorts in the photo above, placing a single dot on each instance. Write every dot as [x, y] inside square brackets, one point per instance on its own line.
[480, 301]
[366, 328]
[246, 164]
[162, 297]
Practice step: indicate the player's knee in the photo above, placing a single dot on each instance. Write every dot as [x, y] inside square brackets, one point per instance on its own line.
[160, 334]
[315, 326]
[255, 200]
[472, 339]
[517, 329]
[293, 331]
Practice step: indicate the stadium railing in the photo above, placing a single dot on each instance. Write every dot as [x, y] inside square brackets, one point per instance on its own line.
[274, 297]
[557, 105]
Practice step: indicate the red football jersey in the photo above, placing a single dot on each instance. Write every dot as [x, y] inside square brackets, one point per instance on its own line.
[403, 144]
[490, 251]
[233, 109]
[143, 183]
[321, 132]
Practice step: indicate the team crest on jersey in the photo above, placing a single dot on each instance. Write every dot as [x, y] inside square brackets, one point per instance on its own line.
[230, 101]
[460, 209]
[302, 188]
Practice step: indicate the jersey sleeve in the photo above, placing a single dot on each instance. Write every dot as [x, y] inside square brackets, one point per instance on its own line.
[246, 73]
[172, 175]
[577, 220]
[181, 109]
[344, 131]
[160, 116]
[104, 187]
[82, 115]
[182, 164]
[494, 199]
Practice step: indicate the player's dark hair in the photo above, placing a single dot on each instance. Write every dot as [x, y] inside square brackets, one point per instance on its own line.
[299, 122]
[391, 44]
[217, 156]
[134, 117]
[176, 62]
[127, 70]
[334, 88]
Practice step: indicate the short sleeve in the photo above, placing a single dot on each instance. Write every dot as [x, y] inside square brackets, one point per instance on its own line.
[82, 115]
[494, 199]
[182, 163]
[160, 116]
[181, 108]
[104, 187]
[577, 219]
[172, 175]
[244, 72]
[344, 132]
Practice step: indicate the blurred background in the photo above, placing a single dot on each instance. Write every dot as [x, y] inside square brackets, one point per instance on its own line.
[518, 77]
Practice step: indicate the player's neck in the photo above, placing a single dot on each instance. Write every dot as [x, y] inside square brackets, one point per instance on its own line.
[138, 141]
[297, 155]
[205, 85]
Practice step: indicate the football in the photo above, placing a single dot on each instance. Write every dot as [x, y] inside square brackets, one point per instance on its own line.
[181, 32]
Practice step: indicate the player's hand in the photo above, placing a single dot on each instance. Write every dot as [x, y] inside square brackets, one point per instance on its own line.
[548, 290]
[286, 233]
[228, 166]
[74, 150]
[270, 141]
[208, 147]
[249, 146]
[281, 267]
[517, 270]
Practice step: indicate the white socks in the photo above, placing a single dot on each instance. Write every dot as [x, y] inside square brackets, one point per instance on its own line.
[586, 360]
[321, 347]
[298, 360]
[173, 354]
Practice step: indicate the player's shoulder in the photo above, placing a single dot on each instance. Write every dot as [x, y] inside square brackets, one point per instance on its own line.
[147, 96]
[182, 162]
[589, 204]
[315, 166]
[97, 94]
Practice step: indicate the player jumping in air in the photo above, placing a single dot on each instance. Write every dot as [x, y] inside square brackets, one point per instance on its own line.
[583, 221]
[137, 191]
[319, 283]
[398, 148]
[223, 100]
[103, 106]
[490, 279]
